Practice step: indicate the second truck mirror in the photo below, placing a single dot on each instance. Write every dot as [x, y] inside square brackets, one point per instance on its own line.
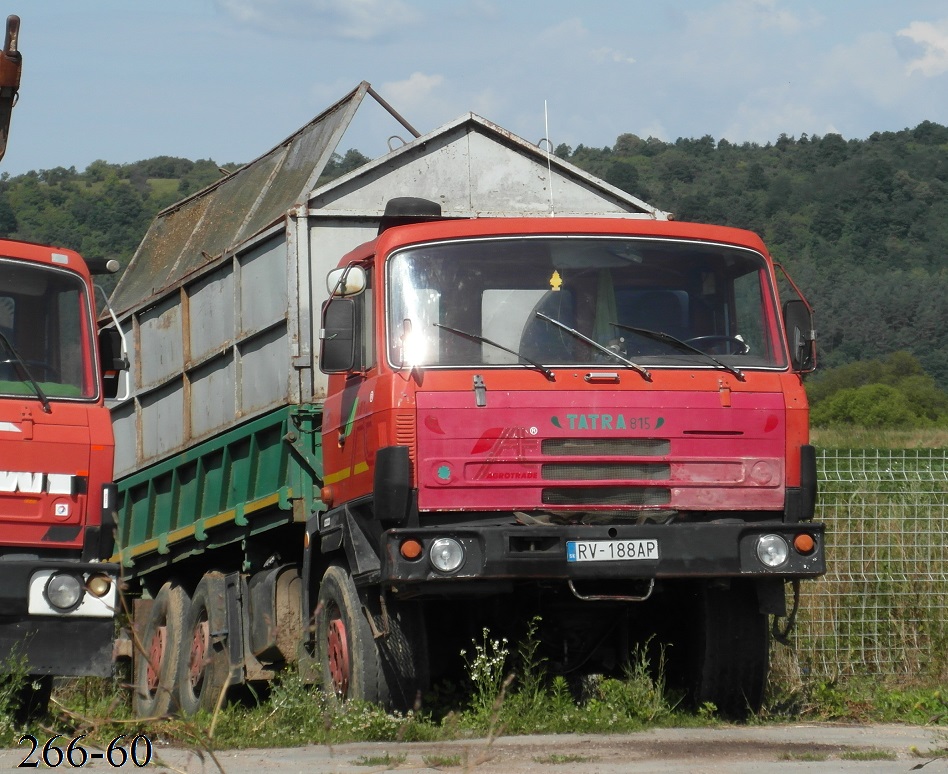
[113, 360]
[800, 335]
[337, 337]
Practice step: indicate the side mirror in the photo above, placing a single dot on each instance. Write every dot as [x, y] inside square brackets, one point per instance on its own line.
[112, 359]
[338, 336]
[798, 323]
[347, 281]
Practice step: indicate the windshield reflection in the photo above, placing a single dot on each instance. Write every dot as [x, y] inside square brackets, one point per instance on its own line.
[713, 297]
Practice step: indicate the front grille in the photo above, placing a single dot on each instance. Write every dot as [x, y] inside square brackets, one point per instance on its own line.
[601, 471]
[606, 495]
[606, 447]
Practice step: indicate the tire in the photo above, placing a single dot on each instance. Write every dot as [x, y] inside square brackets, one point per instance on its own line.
[391, 670]
[731, 655]
[204, 665]
[154, 692]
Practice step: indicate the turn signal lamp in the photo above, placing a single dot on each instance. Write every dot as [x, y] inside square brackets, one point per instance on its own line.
[411, 549]
[99, 585]
[804, 543]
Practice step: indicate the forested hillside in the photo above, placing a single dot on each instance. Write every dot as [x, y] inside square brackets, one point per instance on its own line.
[861, 225]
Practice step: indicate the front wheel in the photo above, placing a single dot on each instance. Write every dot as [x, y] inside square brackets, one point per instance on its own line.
[731, 651]
[390, 670]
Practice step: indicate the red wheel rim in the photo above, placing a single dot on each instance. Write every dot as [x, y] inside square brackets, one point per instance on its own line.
[338, 655]
[200, 641]
[156, 655]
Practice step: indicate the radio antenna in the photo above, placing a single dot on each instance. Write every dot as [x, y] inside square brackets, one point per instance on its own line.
[549, 155]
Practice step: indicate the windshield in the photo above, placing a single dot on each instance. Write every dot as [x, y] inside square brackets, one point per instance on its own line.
[517, 298]
[45, 332]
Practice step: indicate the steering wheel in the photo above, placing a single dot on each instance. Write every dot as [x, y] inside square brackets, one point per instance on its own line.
[731, 341]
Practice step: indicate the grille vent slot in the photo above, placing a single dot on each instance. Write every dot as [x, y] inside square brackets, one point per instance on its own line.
[606, 495]
[606, 447]
[601, 471]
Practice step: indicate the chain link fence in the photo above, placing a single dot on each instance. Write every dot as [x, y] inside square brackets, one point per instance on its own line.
[882, 607]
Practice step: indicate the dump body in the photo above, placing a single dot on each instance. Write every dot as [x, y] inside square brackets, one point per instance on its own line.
[57, 498]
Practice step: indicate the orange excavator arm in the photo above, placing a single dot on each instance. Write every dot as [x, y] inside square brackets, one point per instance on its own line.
[11, 63]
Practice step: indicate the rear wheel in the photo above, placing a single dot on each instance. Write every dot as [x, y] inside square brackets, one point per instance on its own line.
[390, 670]
[158, 652]
[204, 665]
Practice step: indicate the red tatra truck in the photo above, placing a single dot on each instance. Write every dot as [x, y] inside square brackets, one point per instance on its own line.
[57, 500]
[365, 426]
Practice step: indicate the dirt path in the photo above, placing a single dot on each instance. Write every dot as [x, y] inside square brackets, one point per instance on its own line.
[878, 749]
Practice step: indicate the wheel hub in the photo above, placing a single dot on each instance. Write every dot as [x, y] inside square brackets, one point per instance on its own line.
[200, 642]
[156, 655]
[337, 649]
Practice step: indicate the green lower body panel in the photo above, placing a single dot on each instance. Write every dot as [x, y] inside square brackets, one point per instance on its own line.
[254, 478]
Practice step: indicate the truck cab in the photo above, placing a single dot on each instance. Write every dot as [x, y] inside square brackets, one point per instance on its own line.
[601, 411]
[56, 494]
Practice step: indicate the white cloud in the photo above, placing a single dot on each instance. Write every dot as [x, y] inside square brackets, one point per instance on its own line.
[741, 18]
[414, 91]
[606, 54]
[933, 38]
[348, 19]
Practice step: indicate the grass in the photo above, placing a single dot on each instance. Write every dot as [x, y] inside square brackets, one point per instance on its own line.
[386, 760]
[558, 759]
[875, 438]
[442, 761]
[526, 702]
[804, 756]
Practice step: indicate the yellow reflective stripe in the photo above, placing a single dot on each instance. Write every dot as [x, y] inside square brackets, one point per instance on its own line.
[186, 532]
[341, 475]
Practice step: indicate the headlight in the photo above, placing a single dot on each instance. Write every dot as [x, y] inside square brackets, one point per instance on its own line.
[772, 550]
[63, 591]
[446, 554]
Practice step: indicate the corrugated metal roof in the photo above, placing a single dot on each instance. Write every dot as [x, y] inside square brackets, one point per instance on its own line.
[477, 166]
[202, 227]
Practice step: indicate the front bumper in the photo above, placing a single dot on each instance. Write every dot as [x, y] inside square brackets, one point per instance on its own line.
[518, 553]
[66, 647]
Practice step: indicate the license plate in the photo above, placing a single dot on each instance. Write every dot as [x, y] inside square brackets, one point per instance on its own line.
[611, 550]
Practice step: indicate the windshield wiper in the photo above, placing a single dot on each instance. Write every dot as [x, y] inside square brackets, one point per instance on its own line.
[682, 346]
[24, 373]
[474, 337]
[612, 353]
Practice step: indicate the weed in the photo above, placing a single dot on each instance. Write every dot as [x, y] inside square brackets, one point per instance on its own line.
[387, 760]
[804, 756]
[639, 696]
[868, 755]
[487, 671]
[442, 761]
[558, 758]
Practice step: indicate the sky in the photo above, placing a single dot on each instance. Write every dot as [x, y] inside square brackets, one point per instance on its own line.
[126, 80]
